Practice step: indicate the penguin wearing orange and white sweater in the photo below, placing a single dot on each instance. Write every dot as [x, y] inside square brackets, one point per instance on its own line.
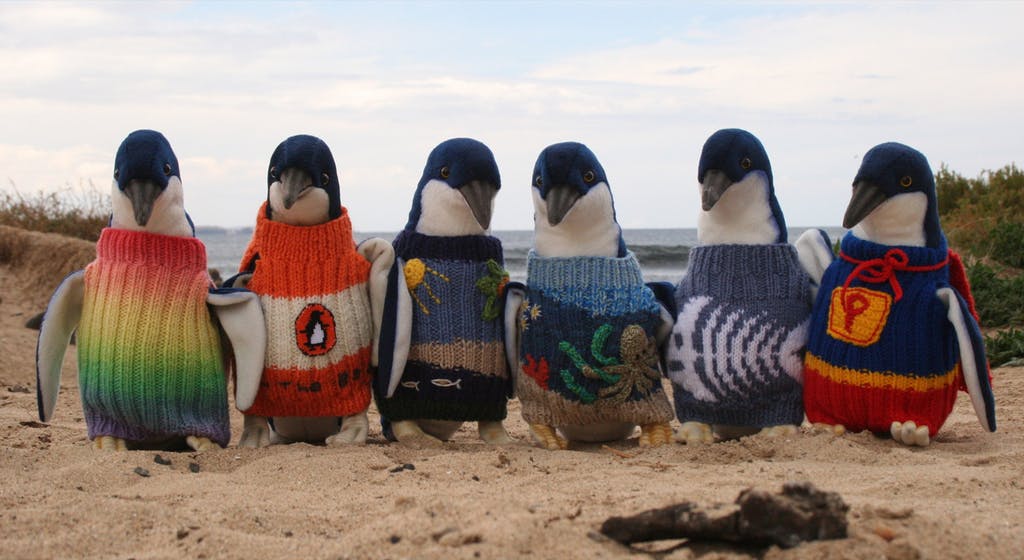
[322, 296]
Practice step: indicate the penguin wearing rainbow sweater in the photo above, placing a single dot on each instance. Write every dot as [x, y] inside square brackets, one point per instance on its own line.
[583, 332]
[448, 358]
[151, 328]
[322, 296]
[894, 334]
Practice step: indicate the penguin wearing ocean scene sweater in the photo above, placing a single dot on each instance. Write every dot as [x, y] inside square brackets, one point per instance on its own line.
[448, 322]
[894, 333]
[735, 356]
[151, 365]
[323, 298]
[583, 332]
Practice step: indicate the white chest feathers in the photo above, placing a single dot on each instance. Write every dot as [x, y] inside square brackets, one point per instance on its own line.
[743, 215]
[588, 229]
[445, 212]
[897, 221]
[166, 218]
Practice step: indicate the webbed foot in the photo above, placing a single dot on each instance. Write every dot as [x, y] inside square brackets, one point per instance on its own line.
[255, 432]
[546, 437]
[779, 431]
[494, 433]
[409, 434]
[653, 435]
[109, 443]
[692, 433]
[909, 433]
[353, 430]
[199, 443]
[821, 427]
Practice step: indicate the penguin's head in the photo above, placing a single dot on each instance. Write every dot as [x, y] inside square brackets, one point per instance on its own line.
[894, 199]
[146, 192]
[455, 195]
[563, 174]
[733, 156]
[302, 182]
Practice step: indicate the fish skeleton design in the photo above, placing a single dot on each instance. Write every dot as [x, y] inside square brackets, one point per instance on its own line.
[717, 351]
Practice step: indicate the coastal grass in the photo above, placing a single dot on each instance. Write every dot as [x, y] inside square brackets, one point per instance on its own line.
[80, 213]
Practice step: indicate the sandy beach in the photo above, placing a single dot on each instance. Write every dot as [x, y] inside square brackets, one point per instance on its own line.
[962, 497]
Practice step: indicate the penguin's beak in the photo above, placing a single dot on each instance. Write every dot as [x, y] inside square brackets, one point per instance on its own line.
[480, 196]
[294, 183]
[866, 197]
[560, 200]
[143, 194]
[714, 186]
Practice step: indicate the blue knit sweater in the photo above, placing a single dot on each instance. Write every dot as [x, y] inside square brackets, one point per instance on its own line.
[587, 349]
[736, 351]
[457, 368]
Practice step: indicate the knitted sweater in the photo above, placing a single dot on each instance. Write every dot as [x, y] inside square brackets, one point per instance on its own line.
[736, 352]
[457, 369]
[882, 351]
[587, 350]
[313, 288]
[149, 356]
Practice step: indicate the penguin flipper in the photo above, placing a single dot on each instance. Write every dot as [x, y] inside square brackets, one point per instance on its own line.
[381, 255]
[241, 320]
[814, 250]
[240, 280]
[395, 334]
[515, 293]
[972, 356]
[59, 322]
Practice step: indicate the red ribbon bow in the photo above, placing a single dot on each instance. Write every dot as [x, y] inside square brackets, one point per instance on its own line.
[884, 269]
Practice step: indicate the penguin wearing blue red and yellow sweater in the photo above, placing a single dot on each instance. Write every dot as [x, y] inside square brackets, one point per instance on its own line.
[322, 297]
[583, 332]
[894, 334]
[447, 325]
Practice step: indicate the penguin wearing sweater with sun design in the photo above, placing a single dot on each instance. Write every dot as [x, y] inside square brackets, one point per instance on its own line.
[152, 330]
[894, 334]
[583, 332]
[451, 343]
[323, 298]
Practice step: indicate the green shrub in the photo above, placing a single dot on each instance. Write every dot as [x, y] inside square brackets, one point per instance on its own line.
[999, 300]
[1004, 347]
[78, 213]
[984, 217]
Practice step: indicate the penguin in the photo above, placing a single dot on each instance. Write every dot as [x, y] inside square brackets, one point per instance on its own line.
[450, 365]
[322, 297]
[735, 356]
[151, 328]
[894, 333]
[584, 329]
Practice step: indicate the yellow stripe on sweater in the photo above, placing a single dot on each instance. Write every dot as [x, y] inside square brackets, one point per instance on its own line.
[881, 379]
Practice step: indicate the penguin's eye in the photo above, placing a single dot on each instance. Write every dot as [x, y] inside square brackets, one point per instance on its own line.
[539, 181]
[167, 169]
[117, 173]
[588, 177]
[324, 178]
[745, 163]
[273, 172]
[445, 172]
[906, 181]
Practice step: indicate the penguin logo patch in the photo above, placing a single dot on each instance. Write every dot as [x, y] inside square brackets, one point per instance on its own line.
[314, 330]
[858, 315]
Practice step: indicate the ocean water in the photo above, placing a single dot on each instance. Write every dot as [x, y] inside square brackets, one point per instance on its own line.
[663, 253]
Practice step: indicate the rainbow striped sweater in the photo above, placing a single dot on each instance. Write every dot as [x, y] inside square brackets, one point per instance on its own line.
[313, 287]
[457, 369]
[881, 348]
[149, 356]
[587, 348]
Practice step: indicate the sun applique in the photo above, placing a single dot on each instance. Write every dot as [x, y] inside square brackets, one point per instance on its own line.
[416, 276]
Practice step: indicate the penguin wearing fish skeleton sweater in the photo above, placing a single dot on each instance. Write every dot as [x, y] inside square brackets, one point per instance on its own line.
[322, 296]
[584, 329]
[735, 356]
[151, 327]
[452, 344]
[894, 333]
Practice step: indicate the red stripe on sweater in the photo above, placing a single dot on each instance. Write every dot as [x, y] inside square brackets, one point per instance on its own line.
[341, 389]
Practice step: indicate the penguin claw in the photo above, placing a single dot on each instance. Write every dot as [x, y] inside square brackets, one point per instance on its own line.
[546, 437]
[109, 443]
[779, 431]
[199, 443]
[692, 433]
[909, 433]
[494, 433]
[255, 432]
[353, 430]
[409, 434]
[653, 435]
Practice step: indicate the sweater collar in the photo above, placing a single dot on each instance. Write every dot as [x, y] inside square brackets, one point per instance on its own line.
[862, 250]
[303, 243]
[137, 247]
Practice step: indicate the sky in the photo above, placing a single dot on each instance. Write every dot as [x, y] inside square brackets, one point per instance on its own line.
[643, 84]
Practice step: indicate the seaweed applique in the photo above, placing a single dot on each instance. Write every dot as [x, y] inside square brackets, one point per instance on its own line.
[493, 286]
[634, 370]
